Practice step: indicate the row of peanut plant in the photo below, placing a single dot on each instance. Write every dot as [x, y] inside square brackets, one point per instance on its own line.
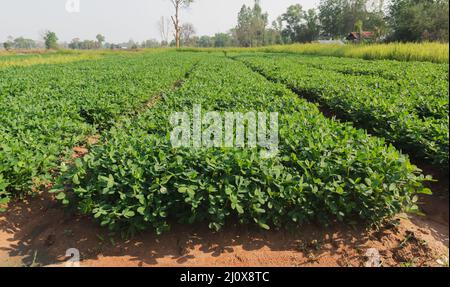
[45, 110]
[406, 103]
[324, 170]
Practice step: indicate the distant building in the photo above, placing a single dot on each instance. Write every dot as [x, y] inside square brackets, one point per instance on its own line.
[365, 35]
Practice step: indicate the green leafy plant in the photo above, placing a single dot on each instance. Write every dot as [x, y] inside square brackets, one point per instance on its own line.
[46, 110]
[325, 170]
[405, 103]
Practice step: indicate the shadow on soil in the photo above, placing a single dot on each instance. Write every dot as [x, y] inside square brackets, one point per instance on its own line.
[38, 232]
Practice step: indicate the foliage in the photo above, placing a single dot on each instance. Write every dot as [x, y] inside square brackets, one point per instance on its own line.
[187, 34]
[45, 111]
[7, 45]
[222, 40]
[419, 20]
[251, 27]
[77, 44]
[178, 5]
[409, 107]
[20, 43]
[51, 40]
[100, 39]
[301, 26]
[339, 17]
[325, 170]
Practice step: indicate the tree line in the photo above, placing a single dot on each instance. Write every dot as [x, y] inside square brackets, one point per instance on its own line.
[395, 20]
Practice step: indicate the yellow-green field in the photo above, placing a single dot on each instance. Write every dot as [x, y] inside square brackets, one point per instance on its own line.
[430, 52]
[36, 57]
[424, 52]
[29, 60]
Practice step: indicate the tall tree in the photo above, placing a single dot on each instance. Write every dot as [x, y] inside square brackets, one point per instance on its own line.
[293, 18]
[100, 39]
[178, 5]
[258, 24]
[51, 40]
[243, 28]
[359, 29]
[301, 26]
[251, 27]
[273, 34]
[331, 14]
[310, 30]
[419, 20]
[75, 44]
[187, 32]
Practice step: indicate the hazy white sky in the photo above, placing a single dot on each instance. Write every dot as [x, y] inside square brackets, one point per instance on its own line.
[122, 20]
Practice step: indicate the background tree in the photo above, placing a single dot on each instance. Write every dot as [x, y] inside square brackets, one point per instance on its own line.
[23, 43]
[51, 40]
[419, 20]
[75, 44]
[331, 15]
[152, 43]
[310, 30]
[275, 33]
[164, 30]
[205, 42]
[338, 17]
[9, 44]
[100, 40]
[251, 27]
[222, 40]
[359, 29]
[187, 32]
[292, 19]
[243, 28]
[178, 5]
[131, 44]
[259, 23]
[301, 26]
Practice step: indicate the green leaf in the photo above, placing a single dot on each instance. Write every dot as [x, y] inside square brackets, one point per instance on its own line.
[141, 210]
[263, 226]
[128, 214]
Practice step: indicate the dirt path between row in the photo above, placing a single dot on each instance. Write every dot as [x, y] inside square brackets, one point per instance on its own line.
[38, 232]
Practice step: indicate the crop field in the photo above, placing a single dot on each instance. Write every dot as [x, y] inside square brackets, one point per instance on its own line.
[46, 110]
[427, 52]
[353, 168]
[405, 103]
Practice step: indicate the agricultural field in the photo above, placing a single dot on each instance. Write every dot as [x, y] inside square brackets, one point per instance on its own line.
[46, 110]
[407, 103]
[356, 139]
[427, 52]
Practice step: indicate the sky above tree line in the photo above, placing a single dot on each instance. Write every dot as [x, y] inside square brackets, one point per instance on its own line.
[122, 20]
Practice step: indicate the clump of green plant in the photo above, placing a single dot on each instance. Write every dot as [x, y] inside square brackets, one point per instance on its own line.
[324, 171]
[408, 105]
[45, 111]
